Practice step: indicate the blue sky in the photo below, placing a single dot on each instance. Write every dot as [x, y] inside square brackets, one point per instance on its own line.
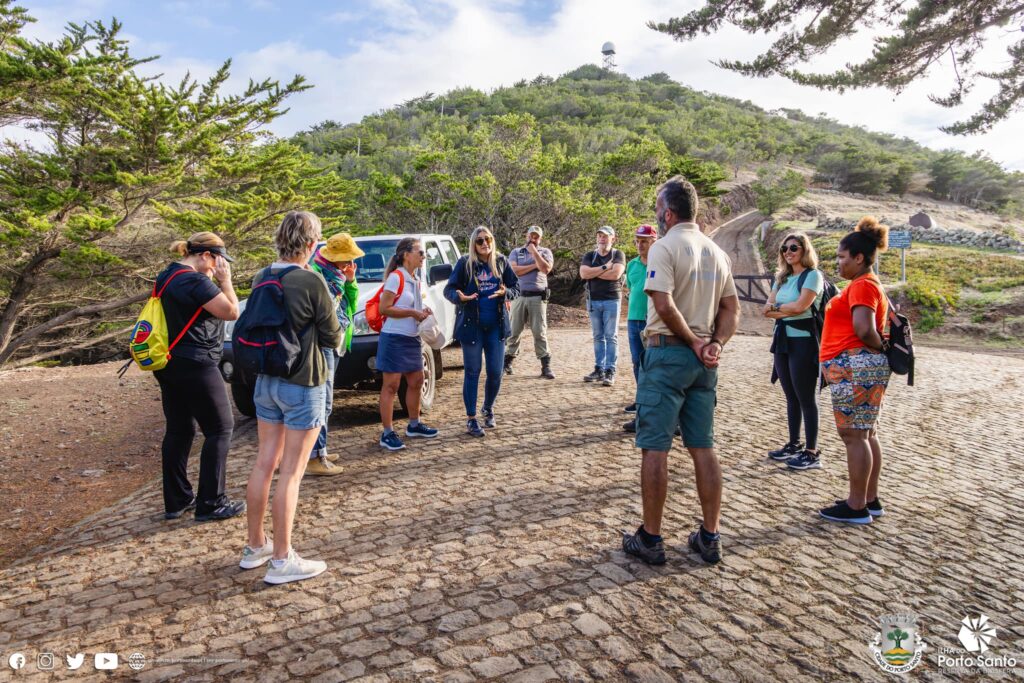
[368, 55]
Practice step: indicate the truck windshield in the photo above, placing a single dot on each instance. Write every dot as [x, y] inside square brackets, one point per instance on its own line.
[370, 267]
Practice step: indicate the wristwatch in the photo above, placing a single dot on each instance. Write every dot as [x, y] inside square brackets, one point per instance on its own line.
[604, 267]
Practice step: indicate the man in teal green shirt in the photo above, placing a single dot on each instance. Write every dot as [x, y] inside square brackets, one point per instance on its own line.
[636, 313]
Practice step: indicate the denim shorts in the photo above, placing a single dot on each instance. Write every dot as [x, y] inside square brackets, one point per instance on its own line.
[675, 388]
[293, 405]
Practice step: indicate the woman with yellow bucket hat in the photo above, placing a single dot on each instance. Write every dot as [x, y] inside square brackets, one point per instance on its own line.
[335, 261]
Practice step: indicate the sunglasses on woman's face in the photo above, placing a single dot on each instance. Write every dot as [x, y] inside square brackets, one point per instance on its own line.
[483, 240]
[792, 248]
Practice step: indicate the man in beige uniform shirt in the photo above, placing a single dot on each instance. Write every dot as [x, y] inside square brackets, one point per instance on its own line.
[692, 313]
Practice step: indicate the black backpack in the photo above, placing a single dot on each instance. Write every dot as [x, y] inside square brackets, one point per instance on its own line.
[899, 348]
[264, 341]
[828, 290]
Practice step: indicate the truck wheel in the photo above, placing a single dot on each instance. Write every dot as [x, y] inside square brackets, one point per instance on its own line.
[430, 366]
[243, 392]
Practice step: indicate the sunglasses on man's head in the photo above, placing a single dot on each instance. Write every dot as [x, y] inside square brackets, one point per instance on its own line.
[483, 240]
[791, 248]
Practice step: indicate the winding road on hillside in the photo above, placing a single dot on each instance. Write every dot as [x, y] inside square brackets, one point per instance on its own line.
[734, 237]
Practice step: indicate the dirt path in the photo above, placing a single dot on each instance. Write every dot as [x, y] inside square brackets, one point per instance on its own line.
[734, 237]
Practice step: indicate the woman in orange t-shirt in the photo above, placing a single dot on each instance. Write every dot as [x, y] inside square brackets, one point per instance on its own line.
[856, 368]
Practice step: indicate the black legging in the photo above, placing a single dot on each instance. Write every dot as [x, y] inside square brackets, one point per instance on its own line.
[191, 390]
[798, 373]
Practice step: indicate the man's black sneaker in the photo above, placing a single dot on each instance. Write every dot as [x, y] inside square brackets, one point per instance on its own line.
[225, 511]
[630, 426]
[176, 514]
[786, 452]
[632, 545]
[508, 364]
[874, 507]
[631, 408]
[473, 427]
[709, 551]
[489, 422]
[596, 376]
[841, 512]
[807, 460]
[609, 377]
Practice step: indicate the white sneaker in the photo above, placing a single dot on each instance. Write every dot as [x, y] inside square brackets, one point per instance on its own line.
[254, 557]
[294, 568]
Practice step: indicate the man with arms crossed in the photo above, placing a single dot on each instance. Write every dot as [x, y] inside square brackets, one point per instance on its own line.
[532, 264]
[694, 313]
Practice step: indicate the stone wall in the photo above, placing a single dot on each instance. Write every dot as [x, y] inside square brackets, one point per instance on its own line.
[963, 238]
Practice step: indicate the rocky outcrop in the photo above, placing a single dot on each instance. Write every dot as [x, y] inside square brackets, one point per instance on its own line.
[954, 237]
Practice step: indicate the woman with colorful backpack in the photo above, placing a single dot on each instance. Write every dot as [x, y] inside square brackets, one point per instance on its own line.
[191, 387]
[290, 389]
[479, 286]
[794, 300]
[853, 359]
[399, 351]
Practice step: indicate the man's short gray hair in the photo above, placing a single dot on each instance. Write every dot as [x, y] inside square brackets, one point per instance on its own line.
[297, 229]
[680, 195]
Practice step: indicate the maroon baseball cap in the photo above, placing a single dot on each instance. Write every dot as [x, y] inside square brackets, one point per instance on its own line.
[646, 231]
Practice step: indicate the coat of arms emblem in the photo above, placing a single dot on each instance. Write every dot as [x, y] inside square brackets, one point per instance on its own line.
[898, 647]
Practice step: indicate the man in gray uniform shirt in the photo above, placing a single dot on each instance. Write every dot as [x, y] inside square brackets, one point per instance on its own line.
[531, 263]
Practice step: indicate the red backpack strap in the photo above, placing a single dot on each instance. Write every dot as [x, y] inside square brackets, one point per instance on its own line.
[401, 284]
[190, 320]
[167, 282]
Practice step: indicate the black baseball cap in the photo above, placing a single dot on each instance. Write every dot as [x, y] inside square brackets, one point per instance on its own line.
[219, 251]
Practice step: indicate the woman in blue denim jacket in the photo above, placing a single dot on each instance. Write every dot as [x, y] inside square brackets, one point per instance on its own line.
[479, 287]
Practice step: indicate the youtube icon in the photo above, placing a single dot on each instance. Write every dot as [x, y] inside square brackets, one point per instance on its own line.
[105, 661]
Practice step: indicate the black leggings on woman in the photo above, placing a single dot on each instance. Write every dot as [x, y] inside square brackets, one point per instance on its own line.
[194, 392]
[798, 373]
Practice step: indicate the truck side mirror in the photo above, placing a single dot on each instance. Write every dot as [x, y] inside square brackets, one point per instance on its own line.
[439, 273]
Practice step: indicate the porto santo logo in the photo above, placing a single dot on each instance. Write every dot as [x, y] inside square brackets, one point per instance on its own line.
[976, 634]
[898, 647]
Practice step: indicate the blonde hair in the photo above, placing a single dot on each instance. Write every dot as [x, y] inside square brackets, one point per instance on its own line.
[809, 259]
[297, 229]
[200, 239]
[492, 260]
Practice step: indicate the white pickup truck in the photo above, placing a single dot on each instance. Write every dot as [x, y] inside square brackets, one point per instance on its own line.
[357, 368]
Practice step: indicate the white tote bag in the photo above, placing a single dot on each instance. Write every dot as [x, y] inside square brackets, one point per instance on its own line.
[431, 333]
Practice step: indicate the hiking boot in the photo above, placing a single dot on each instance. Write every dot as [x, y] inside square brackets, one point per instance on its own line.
[786, 452]
[473, 428]
[508, 364]
[256, 557]
[176, 514]
[391, 441]
[630, 426]
[874, 507]
[609, 377]
[320, 466]
[596, 376]
[807, 460]
[294, 568]
[709, 551]
[545, 368]
[842, 512]
[489, 422]
[420, 431]
[633, 545]
[228, 510]
[631, 408]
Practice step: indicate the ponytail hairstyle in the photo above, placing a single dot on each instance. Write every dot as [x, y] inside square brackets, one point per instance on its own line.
[196, 243]
[867, 239]
[473, 260]
[404, 246]
[809, 258]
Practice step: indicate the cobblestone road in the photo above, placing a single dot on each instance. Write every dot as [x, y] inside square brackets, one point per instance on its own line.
[465, 559]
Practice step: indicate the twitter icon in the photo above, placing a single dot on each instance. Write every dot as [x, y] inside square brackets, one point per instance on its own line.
[76, 661]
